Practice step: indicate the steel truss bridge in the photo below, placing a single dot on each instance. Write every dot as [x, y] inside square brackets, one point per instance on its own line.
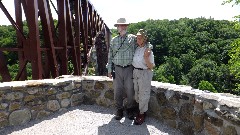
[70, 39]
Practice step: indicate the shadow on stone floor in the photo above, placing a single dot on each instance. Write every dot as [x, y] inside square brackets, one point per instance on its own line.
[123, 127]
[126, 127]
[113, 127]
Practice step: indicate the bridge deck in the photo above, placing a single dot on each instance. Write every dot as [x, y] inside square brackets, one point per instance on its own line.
[90, 120]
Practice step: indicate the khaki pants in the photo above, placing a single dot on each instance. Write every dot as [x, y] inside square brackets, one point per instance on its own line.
[142, 87]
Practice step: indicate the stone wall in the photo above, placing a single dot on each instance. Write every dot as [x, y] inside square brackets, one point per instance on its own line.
[190, 110]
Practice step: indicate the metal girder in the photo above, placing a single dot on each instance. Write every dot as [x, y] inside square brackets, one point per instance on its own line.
[85, 33]
[20, 41]
[34, 40]
[62, 37]
[77, 9]
[3, 69]
[50, 61]
[71, 42]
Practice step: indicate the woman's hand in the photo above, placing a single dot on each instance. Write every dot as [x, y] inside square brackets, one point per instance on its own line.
[147, 53]
[147, 60]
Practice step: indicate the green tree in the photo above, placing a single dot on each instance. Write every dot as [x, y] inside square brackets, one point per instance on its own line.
[202, 70]
[234, 64]
[161, 75]
[114, 32]
[205, 85]
[187, 61]
[234, 2]
[169, 71]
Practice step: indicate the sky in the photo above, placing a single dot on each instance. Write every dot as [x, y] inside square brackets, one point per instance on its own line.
[141, 10]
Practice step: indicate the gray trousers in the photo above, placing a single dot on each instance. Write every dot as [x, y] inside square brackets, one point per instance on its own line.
[123, 84]
[142, 87]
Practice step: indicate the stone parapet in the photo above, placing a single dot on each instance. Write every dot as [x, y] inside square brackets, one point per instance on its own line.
[195, 111]
[192, 111]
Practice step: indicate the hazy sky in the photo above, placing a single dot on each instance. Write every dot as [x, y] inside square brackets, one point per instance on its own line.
[141, 10]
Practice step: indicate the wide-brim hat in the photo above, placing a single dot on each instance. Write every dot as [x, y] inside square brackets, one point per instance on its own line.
[121, 21]
[143, 33]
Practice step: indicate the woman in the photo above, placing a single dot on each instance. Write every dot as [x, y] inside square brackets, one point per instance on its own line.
[143, 62]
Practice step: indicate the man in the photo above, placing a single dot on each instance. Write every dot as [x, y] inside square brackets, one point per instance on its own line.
[120, 56]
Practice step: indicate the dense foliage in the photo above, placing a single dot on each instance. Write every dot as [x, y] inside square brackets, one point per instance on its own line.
[234, 53]
[198, 52]
[203, 53]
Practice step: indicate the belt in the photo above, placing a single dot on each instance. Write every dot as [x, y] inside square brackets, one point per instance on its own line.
[123, 66]
[140, 68]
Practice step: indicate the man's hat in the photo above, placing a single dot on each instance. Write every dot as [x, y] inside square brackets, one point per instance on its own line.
[143, 33]
[121, 21]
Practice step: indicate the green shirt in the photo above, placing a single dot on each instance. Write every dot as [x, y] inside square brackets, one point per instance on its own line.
[121, 55]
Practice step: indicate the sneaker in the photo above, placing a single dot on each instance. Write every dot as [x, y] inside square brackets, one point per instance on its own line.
[139, 119]
[119, 114]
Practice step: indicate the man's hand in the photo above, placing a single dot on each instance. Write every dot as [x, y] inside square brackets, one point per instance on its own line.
[110, 75]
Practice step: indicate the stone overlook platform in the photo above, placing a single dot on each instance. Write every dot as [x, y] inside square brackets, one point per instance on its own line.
[190, 111]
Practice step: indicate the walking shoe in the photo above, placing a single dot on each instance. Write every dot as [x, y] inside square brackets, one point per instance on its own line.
[130, 114]
[139, 119]
[119, 114]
